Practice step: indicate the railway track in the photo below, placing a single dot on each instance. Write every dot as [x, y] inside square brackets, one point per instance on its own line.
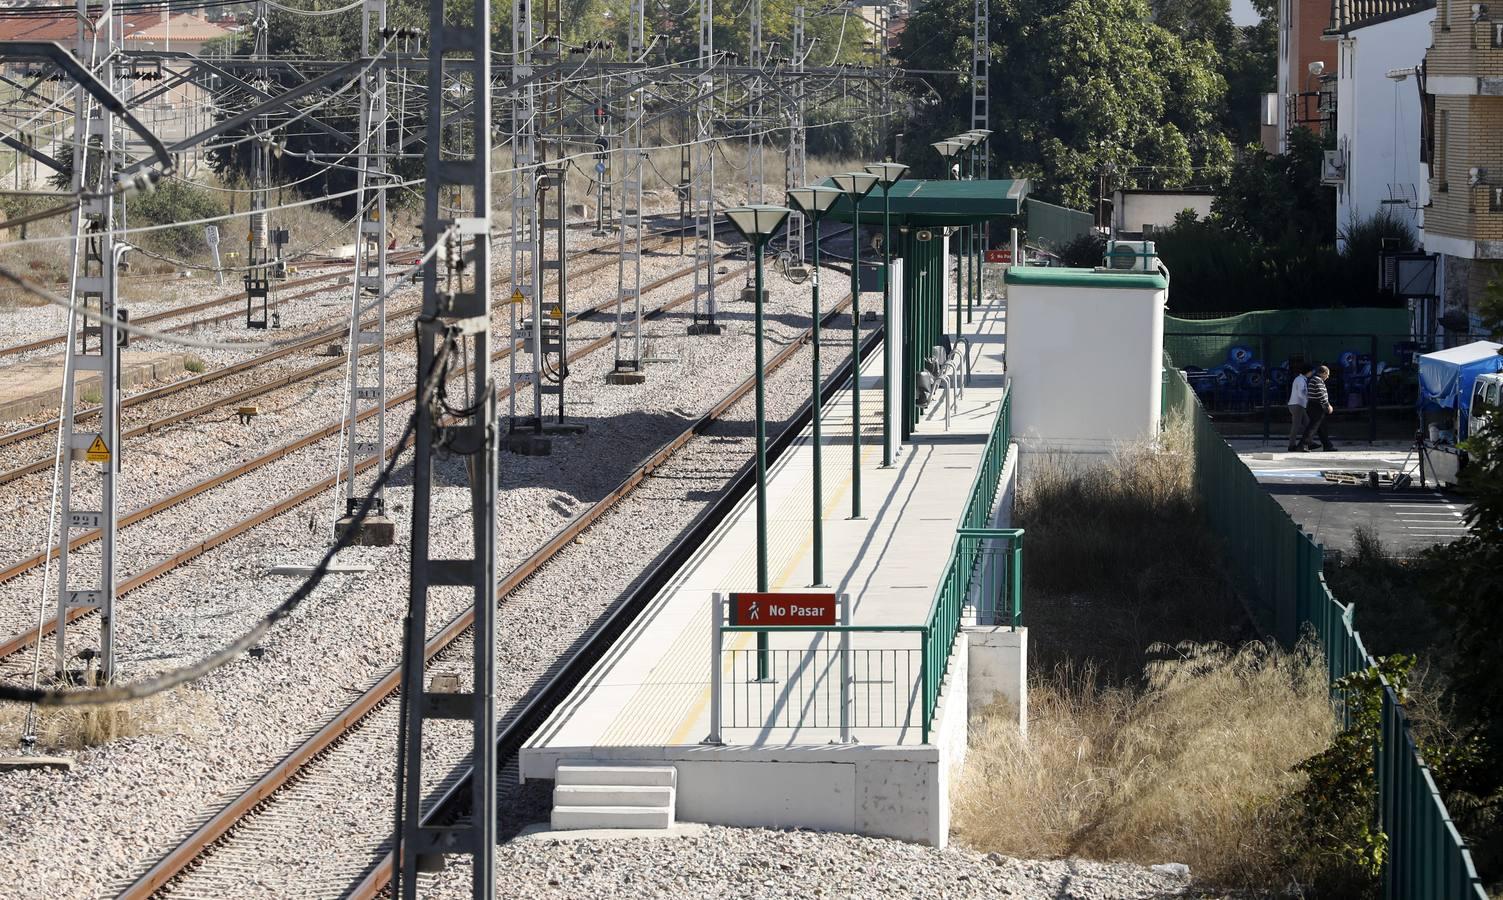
[20, 642]
[304, 767]
[54, 340]
[304, 344]
[399, 258]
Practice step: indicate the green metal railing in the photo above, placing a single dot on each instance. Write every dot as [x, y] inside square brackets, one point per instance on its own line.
[982, 584]
[978, 507]
[966, 574]
[1281, 574]
[825, 683]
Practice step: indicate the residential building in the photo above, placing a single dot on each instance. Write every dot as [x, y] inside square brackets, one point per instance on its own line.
[1375, 166]
[1306, 67]
[1462, 148]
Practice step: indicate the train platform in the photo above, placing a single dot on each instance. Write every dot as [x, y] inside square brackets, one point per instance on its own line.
[650, 698]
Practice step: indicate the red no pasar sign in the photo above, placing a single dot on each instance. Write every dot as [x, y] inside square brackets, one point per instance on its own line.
[999, 256]
[807, 610]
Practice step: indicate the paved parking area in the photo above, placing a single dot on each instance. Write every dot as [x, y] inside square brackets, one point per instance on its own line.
[1317, 491]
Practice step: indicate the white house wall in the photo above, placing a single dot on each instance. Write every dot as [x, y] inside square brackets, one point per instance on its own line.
[1378, 120]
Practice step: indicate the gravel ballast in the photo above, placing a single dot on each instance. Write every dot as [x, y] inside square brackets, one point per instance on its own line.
[758, 864]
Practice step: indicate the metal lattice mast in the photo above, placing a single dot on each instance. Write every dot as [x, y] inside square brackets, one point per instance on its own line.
[981, 66]
[705, 308]
[551, 316]
[629, 266]
[94, 282]
[456, 320]
[526, 236]
[259, 270]
[756, 171]
[367, 382]
[796, 173]
[981, 62]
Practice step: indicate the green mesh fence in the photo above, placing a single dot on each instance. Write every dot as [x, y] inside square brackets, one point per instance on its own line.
[1051, 227]
[1280, 570]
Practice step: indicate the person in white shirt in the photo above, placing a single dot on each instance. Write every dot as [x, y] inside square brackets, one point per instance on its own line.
[1298, 397]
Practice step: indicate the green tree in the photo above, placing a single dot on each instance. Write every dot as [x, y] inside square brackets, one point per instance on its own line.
[1079, 88]
[1468, 582]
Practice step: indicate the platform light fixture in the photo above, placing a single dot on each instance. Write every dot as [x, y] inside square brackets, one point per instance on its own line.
[815, 202]
[758, 224]
[948, 149]
[855, 185]
[888, 174]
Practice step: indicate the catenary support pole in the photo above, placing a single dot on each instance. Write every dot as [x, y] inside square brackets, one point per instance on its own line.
[456, 319]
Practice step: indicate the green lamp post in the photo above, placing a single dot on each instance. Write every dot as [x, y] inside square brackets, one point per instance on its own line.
[814, 202]
[978, 152]
[888, 174]
[758, 224]
[855, 185]
[949, 149]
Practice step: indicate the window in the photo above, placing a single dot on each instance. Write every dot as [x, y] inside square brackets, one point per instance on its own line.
[1442, 148]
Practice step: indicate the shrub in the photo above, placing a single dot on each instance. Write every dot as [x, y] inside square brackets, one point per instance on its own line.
[1085, 251]
[1191, 767]
[175, 200]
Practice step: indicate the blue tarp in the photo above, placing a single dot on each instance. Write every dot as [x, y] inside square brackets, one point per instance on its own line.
[1446, 376]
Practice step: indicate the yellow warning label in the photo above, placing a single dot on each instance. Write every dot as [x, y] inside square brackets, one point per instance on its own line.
[516, 296]
[555, 313]
[98, 452]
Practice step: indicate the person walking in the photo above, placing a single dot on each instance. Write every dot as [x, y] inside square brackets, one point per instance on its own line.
[1298, 397]
[1317, 408]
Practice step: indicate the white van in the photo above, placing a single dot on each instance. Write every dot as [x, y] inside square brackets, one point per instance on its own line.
[1487, 395]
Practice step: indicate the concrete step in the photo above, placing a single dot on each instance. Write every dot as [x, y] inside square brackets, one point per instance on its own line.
[615, 776]
[569, 818]
[655, 796]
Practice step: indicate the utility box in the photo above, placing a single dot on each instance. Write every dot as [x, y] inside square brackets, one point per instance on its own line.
[1085, 354]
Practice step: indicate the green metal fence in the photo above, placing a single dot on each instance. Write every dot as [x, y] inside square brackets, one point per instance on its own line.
[1280, 569]
[966, 582]
[820, 684]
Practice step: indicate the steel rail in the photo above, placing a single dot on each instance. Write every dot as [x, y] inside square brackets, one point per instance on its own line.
[245, 365]
[222, 823]
[20, 642]
[540, 704]
[167, 390]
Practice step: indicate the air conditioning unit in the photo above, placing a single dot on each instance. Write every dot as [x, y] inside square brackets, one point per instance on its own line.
[1333, 168]
[1131, 256]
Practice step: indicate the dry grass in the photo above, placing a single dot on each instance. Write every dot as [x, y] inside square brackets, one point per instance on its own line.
[1190, 767]
[1117, 558]
[75, 728]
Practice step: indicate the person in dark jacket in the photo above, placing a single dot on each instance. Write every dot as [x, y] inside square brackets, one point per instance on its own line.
[1317, 408]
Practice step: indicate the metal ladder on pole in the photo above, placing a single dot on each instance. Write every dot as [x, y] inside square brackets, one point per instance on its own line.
[705, 308]
[456, 320]
[366, 381]
[796, 171]
[94, 289]
[526, 236]
[628, 367]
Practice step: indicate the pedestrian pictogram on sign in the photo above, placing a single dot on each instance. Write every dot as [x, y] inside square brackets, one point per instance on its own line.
[1001, 255]
[783, 609]
[98, 452]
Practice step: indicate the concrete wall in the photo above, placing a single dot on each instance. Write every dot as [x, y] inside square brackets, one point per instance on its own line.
[1085, 365]
[1378, 120]
[900, 792]
[998, 669]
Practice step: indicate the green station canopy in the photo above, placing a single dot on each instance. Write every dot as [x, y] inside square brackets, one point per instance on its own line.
[925, 204]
